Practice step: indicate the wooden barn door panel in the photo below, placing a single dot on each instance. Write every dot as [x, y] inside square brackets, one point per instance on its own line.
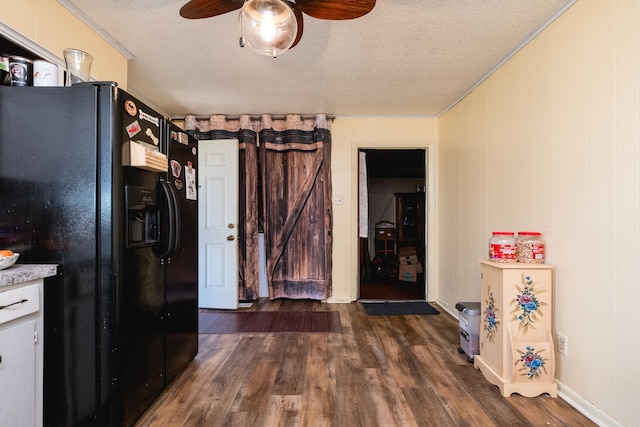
[298, 219]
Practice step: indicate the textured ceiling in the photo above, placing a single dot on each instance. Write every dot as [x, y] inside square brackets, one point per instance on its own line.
[405, 58]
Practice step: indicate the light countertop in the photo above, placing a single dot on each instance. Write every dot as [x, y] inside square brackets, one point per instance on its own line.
[19, 273]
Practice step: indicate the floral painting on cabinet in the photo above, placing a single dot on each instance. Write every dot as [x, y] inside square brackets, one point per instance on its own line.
[526, 304]
[532, 361]
[490, 320]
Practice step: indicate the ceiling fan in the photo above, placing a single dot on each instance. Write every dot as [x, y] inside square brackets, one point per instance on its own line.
[287, 14]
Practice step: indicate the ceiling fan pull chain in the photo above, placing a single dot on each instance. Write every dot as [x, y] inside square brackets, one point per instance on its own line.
[241, 41]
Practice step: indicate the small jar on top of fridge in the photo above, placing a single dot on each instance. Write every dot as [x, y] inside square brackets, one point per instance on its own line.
[502, 247]
[530, 247]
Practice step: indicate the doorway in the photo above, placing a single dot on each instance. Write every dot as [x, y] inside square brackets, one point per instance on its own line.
[393, 255]
[218, 223]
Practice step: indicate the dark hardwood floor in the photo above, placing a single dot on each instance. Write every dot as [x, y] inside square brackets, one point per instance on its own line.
[378, 288]
[380, 371]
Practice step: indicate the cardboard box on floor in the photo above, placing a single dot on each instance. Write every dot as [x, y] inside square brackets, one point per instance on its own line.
[408, 260]
[408, 257]
[408, 273]
[418, 268]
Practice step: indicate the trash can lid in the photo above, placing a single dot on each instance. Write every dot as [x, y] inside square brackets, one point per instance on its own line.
[468, 307]
[473, 311]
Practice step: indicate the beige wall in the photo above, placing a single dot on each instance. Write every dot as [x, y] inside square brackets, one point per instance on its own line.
[347, 136]
[550, 142]
[53, 28]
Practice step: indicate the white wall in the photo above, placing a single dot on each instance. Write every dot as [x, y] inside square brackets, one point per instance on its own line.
[550, 142]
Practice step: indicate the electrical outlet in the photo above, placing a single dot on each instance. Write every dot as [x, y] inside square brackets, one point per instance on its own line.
[563, 344]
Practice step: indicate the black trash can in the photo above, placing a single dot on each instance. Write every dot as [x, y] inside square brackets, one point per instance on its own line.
[469, 318]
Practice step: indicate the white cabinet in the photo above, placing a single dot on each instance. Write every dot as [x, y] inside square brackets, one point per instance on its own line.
[21, 354]
[516, 345]
[17, 375]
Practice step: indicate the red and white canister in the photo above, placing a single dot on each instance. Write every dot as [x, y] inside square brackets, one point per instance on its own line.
[502, 247]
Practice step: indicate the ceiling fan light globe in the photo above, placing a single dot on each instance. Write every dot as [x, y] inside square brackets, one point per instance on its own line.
[268, 26]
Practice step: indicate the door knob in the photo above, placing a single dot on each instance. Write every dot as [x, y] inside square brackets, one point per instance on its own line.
[230, 237]
[231, 226]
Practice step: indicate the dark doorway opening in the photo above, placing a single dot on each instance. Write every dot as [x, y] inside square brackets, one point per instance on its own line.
[392, 256]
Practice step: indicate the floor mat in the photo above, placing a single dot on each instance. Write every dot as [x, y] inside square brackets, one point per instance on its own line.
[216, 322]
[388, 308]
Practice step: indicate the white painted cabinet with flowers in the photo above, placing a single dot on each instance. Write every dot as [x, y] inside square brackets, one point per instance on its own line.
[516, 335]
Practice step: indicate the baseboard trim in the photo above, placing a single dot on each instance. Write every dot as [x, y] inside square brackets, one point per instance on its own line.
[338, 300]
[586, 407]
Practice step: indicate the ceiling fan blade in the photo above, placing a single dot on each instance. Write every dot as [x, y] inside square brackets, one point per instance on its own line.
[298, 13]
[336, 9]
[196, 9]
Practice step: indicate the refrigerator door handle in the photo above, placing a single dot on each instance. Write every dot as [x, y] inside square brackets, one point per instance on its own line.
[173, 219]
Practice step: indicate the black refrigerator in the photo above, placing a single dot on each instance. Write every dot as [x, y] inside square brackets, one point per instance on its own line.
[94, 180]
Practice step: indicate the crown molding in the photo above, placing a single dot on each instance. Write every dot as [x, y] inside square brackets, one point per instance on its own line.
[95, 27]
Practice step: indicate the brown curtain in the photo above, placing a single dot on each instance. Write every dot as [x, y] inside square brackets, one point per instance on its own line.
[296, 176]
[244, 130]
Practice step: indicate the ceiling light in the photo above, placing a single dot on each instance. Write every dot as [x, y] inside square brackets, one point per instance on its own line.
[268, 26]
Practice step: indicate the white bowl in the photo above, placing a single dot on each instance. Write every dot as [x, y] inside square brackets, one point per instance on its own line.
[8, 261]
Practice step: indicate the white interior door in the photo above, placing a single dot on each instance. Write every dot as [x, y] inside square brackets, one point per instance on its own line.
[218, 223]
